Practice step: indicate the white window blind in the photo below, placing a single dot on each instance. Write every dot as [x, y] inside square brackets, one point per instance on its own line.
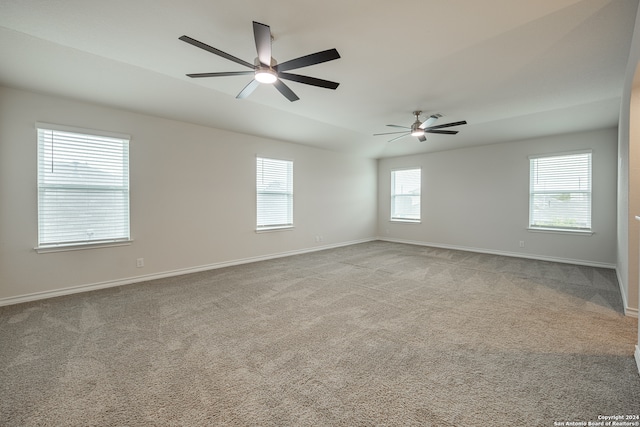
[560, 191]
[405, 194]
[83, 188]
[274, 186]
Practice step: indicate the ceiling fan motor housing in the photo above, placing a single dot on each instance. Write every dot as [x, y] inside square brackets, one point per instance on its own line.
[416, 130]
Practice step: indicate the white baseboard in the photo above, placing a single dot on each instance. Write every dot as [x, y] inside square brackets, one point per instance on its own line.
[503, 253]
[628, 311]
[637, 355]
[161, 275]
[632, 312]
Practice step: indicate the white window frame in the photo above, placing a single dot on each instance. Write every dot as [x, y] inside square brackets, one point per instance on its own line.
[282, 214]
[399, 215]
[577, 186]
[54, 232]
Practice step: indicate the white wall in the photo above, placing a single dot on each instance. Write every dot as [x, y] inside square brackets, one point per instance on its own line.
[192, 198]
[477, 198]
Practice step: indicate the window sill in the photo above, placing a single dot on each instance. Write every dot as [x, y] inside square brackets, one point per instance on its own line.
[272, 229]
[560, 231]
[406, 221]
[81, 246]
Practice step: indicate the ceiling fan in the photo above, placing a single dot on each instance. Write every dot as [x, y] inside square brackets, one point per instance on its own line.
[265, 69]
[419, 129]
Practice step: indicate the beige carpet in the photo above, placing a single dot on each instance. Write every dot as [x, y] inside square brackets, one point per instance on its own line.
[371, 334]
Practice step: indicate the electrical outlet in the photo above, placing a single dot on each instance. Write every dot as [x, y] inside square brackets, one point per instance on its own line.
[522, 243]
[140, 262]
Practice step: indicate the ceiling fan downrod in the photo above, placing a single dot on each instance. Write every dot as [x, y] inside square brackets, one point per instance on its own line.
[416, 130]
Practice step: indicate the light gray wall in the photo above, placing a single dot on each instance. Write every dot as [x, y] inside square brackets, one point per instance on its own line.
[477, 198]
[192, 198]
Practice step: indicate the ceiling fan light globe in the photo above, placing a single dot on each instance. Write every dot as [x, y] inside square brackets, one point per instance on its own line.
[416, 130]
[266, 76]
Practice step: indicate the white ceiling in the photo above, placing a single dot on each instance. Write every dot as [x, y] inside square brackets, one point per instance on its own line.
[514, 69]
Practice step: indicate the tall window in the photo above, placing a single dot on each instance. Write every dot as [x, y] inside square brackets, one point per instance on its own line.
[405, 195]
[274, 187]
[560, 191]
[83, 187]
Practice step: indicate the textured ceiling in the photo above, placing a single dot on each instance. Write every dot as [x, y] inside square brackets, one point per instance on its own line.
[512, 69]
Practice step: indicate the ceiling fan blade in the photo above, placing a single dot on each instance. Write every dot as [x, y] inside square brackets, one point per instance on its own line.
[446, 125]
[396, 126]
[284, 89]
[401, 136]
[215, 51]
[444, 132]
[312, 59]
[223, 74]
[388, 133]
[309, 80]
[431, 120]
[248, 89]
[262, 36]
[421, 138]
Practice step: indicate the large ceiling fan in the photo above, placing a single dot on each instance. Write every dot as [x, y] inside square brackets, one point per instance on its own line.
[419, 129]
[265, 69]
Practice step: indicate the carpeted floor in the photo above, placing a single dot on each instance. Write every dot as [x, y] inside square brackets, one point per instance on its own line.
[375, 334]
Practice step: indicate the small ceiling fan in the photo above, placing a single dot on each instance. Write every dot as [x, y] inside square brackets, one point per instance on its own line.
[265, 69]
[419, 129]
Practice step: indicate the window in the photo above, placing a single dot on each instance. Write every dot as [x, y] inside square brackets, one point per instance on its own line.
[405, 195]
[83, 187]
[274, 187]
[560, 192]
